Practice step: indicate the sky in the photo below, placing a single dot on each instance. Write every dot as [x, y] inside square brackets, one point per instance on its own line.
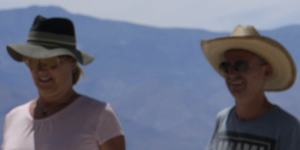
[214, 15]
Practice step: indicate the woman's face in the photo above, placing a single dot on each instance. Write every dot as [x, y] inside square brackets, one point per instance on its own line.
[52, 76]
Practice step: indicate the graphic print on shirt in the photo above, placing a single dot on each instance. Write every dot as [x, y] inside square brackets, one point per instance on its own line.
[240, 141]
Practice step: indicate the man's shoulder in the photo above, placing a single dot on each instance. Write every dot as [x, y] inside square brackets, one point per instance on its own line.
[285, 117]
[224, 113]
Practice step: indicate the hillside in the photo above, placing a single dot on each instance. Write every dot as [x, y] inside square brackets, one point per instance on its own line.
[157, 79]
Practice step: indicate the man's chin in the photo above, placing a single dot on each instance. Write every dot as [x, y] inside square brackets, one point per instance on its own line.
[237, 92]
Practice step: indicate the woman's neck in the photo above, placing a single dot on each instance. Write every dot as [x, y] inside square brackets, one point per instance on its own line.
[47, 106]
[58, 98]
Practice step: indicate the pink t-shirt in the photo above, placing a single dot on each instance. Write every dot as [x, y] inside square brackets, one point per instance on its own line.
[83, 125]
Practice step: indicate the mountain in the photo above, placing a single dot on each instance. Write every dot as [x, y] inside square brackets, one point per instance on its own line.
[157, 79]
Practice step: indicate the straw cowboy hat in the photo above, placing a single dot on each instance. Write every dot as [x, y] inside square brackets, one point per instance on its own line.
[247, 38]
[49, 37]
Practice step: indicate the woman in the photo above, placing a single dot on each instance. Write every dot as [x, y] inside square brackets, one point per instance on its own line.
[59, 118]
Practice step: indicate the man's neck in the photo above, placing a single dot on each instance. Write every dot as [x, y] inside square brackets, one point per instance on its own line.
[252, 108]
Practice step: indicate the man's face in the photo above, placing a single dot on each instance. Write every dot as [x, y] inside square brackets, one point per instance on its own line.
[245, 73]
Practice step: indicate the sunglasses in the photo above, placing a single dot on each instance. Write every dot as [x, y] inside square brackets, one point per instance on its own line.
[239, 66]
[48, 63]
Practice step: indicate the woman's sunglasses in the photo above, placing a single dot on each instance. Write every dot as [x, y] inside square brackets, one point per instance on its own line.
[48, 63]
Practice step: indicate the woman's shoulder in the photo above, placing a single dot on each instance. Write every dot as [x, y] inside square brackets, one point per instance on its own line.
[90, 103]
[87, 100]
[88, 106]
[22, 109]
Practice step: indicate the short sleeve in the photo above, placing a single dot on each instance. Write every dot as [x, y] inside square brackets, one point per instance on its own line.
[291, 138]
[4, 135]
[220, 121]
[108, 125]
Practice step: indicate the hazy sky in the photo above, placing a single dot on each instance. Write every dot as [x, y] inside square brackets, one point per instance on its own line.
[200, 14]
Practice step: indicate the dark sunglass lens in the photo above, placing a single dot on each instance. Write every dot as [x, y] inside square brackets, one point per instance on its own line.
[241, 66]
[224, 66]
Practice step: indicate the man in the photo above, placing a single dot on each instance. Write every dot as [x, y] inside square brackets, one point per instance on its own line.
[252, 64]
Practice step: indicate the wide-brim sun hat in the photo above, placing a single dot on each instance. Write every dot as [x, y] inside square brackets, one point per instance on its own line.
[247, 38]
[49, 37]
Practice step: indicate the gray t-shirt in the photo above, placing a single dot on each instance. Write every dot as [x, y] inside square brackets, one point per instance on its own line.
[275, 130]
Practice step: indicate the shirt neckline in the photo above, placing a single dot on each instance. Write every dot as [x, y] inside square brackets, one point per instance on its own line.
[55, 115]
[272, 110]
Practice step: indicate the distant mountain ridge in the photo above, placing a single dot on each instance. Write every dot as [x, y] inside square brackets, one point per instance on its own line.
[157, 79]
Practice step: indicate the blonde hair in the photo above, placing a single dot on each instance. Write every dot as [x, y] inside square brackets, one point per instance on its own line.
[77, 73]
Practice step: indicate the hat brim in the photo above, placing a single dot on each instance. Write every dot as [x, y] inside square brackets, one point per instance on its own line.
[284, 70]
[18, 51]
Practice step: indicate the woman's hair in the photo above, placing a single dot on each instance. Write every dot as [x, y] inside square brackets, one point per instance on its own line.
[77, 73]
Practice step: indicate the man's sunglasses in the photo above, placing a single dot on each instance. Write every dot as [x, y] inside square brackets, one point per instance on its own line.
[239, 66]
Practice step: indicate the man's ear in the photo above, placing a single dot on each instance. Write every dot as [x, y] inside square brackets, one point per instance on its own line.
[268, 70]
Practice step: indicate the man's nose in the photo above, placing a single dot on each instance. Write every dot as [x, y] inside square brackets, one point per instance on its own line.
[231, 72]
